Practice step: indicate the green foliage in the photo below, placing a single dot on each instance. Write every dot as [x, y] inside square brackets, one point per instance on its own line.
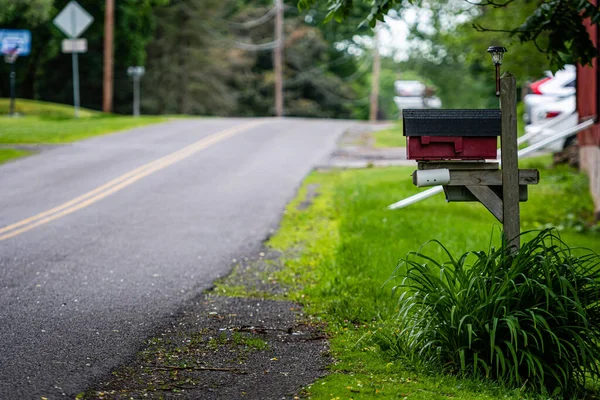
[46, 73]
[529, 318]
[574, 212]
[561, 20]
[24, 13]
[195, 58]
[186, 64]
[455, 60]
[339, 252]
[319, 80]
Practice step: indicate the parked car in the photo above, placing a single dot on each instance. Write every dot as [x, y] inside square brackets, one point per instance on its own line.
[409, 88]
[552, 108]
[550, 88]
[414, 94]
[550, 118]
[403, 102]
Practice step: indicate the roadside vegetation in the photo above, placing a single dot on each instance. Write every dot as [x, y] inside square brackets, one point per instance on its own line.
[10, 154]
[342, 252]
[391, 137]
[40, 122]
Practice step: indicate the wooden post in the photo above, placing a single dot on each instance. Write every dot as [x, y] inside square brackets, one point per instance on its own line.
[109, 20]
[510, 160]
[278, 59]
[374, 108]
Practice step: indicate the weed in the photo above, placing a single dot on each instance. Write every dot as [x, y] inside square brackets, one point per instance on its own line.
[526, 319]
[248, 342]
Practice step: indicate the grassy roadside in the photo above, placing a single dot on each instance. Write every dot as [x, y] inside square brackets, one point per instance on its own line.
[9, 154]
[391, 137]
[41, 122]
[340, 251]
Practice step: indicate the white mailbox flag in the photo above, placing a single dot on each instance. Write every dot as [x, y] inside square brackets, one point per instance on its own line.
[73, 20]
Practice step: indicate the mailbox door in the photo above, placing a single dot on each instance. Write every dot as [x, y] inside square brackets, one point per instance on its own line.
[451, 147]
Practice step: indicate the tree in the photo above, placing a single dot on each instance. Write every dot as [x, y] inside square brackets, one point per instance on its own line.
[26, 13]
[560, 21]
[319, 79]
[188, 63]
[453, 55]
[46, 73]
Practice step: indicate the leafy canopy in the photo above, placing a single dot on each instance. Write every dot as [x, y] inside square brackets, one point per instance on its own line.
[560, 20]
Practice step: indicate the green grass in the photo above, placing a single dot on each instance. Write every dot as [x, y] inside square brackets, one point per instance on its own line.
[9, 154]
[43, 109]
[340, 252]
[391, 137]
[519, 318]
[41, 122]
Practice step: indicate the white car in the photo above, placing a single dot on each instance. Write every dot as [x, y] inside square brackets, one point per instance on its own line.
[403, 102]
[552, 108]
[409, 88]
[551, 118]
[550, 89]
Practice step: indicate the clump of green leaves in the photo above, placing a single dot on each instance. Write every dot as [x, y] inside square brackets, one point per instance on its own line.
[530, 318]
[560, 20]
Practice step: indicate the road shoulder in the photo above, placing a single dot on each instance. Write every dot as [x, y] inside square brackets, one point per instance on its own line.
[223, 347]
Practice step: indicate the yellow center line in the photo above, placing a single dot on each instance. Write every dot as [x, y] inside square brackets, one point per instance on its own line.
[120, 182]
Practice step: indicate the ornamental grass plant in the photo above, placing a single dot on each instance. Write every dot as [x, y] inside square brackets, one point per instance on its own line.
[526, 319]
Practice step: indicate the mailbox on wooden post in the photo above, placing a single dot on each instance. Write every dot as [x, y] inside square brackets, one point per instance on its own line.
[451, 134]
[452, 146]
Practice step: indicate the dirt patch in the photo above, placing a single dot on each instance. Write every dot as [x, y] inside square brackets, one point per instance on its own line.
[34, 148]
[254, 276]
[311, 194]
[224, 348]
[228, 347]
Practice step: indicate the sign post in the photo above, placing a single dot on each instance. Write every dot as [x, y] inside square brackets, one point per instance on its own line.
[14, 43]
[73, 20]
[136, 73]
[13, 83]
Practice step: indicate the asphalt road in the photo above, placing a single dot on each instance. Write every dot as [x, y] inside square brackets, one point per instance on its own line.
[100, 243]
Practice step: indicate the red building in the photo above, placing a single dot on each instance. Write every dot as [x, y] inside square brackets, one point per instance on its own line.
[588, 104]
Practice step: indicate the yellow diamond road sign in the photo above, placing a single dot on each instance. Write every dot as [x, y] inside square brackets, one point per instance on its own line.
[73, 20]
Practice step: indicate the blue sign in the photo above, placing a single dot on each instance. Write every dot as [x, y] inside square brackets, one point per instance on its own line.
[15, 41]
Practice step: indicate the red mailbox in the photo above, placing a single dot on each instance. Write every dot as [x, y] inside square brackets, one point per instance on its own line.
[451, 134]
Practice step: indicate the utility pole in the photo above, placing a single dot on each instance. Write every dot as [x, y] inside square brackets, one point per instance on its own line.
[278, 59]
[375, 78]
[109, 21]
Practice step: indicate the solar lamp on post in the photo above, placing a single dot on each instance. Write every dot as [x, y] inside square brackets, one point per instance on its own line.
[136, 74]
[497, 53]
